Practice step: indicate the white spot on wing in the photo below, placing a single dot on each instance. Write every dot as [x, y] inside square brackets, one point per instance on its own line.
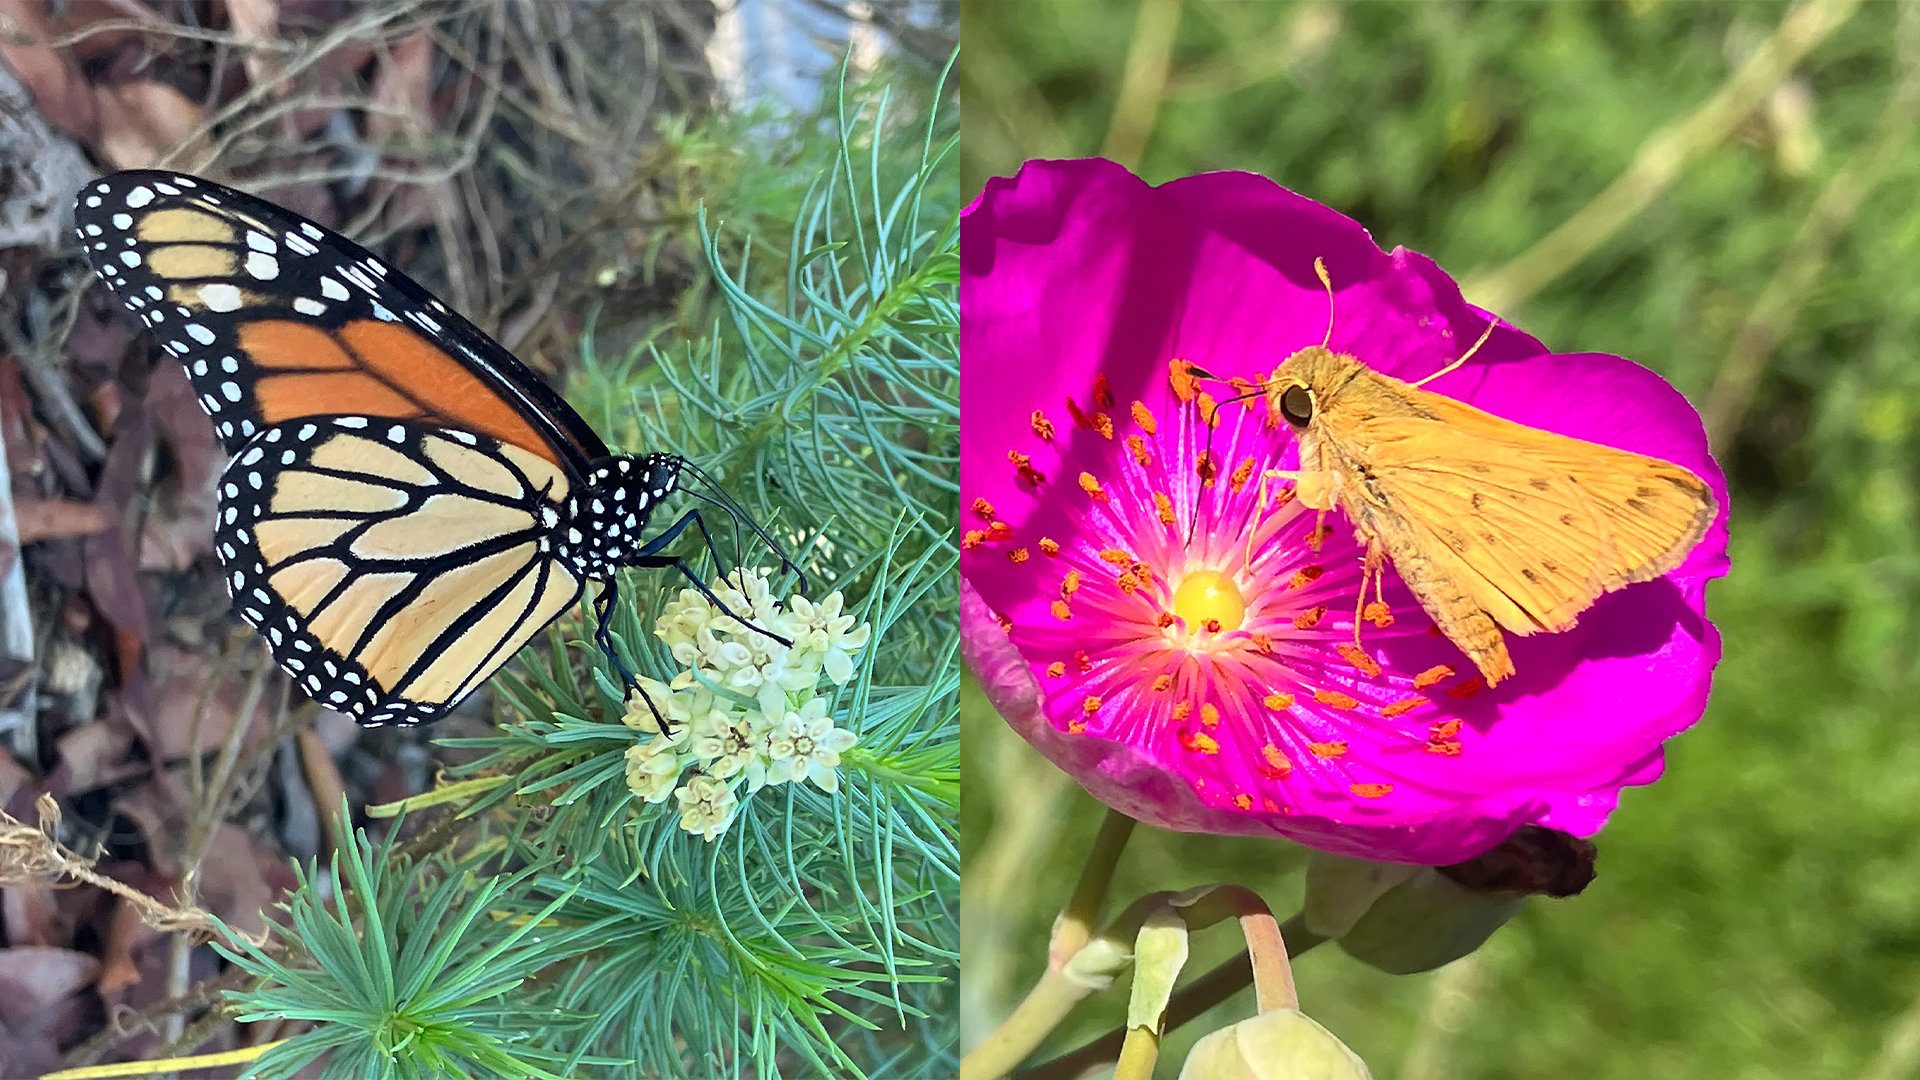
[220, 297]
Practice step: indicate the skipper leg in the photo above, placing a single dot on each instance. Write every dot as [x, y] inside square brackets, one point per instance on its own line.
[1370, 570]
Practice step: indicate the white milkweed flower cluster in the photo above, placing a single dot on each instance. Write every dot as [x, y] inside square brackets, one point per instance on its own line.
[715, 750]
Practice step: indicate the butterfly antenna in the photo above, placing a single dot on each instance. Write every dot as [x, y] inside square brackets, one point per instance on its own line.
[1206, 456]
[1320, 271]
[1464, 357]
[720, 497]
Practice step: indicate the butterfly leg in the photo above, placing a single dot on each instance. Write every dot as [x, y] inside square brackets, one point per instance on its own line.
[1316, 488]
[603, 632]
[649, 556]
[603, 637]
[1371, 570]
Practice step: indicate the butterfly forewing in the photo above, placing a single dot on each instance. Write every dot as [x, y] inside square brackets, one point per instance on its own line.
[1490, 523]
[276, 318]
[391, 565]
[1546, 523]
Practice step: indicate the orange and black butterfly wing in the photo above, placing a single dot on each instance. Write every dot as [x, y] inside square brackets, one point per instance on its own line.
[276, 318]
[389, 516]
[392, 565]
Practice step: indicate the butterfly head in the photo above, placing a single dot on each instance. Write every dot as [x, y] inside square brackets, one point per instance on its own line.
[1297, 385]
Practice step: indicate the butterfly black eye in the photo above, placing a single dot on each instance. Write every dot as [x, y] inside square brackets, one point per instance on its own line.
[1297, 406]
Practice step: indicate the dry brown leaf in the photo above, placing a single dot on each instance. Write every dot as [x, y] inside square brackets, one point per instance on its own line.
[126, 934]
[180, 684]
[14, 778]
[233, 883]
[100, 337]
[67, 19]
[403, 94]
[142, 120]
[52, 76]
[158, 820]
[323, 780]
[33, 978]
[256, 23]
[180, 528]
[92, 756]
[32, 914]
[55, 519]
[24, 434]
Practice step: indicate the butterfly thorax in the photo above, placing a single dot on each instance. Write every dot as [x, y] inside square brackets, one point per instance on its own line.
[601, 522]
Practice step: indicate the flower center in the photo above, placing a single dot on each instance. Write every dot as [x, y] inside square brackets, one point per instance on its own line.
[1209, 599]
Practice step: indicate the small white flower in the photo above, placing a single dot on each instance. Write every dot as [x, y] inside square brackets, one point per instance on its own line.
[653, 768]
[785, 736]
[707, 806]
[806, 746]
[726, 746]
[680, 706]
[683, 618]
[758, 603]
[825, 633]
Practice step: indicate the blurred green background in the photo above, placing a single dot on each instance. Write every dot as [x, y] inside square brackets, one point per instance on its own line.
[1722, 191]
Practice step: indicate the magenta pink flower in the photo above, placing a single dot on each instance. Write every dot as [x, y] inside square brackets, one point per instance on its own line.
[1213, 686]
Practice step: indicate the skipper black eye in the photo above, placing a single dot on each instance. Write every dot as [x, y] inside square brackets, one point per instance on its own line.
[1297, 406]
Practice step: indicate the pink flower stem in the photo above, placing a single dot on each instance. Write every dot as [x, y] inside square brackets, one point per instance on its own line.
[1266, 948]
[1197, 997]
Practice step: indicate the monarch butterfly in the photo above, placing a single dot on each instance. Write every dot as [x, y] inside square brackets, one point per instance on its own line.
[406, 504]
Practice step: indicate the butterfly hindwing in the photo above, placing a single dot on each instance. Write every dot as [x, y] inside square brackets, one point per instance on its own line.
[276, 318]
[391, 564]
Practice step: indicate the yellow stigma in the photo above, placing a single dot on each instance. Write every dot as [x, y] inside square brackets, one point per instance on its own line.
[1209, 594]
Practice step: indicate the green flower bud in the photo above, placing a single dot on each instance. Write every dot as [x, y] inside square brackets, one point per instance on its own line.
[1426, 921]
[1280, 1044]
[1404, 919]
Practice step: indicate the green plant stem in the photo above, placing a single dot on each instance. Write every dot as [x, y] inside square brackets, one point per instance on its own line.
[1202, 994]
[1074, 925]
[1057, 992]
[1661, 159]
[1037, 1015]
[1143, 81]
[1138, 1055]
[1806, 258]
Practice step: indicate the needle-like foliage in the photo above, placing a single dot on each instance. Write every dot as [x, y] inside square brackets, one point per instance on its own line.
[816, 934]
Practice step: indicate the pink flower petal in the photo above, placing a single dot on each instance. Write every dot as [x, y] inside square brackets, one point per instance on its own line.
[1080, 282]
